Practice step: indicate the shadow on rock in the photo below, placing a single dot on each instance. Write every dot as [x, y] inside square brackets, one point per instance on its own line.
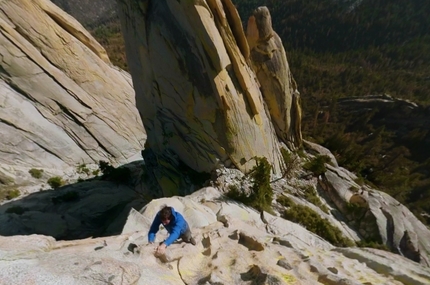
[92, 208]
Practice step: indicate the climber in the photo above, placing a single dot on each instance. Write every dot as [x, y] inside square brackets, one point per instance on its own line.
[174, 223]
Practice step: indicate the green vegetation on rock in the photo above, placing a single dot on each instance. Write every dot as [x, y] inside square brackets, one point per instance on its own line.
[119, 175]
[11, 194]
[317, 165]
[261, 193]
[36, 173]
[310, 195]
[313, 222]
[55, 182]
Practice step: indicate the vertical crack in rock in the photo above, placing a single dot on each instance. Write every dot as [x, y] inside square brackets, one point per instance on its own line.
[235, 23]
[390, 230]
[48, 150]
[179, 271]
[230, 28]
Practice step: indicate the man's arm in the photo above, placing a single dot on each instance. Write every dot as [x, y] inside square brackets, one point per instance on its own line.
[154, 229]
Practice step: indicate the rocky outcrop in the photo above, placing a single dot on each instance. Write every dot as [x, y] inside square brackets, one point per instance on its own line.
[235, 245]
[401, 117]
[199, 98]
[376, 216]
[277, 84]
[61, 101]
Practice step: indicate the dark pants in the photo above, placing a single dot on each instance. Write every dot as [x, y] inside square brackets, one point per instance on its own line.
[186, 237]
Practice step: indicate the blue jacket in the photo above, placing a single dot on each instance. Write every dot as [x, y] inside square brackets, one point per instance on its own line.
[176, 227]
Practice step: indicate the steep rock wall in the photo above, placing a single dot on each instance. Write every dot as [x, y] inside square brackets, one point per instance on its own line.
[278, 87]
[199, 98]
[61, 101]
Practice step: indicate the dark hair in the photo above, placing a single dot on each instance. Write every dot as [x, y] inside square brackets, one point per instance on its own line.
[166, 213]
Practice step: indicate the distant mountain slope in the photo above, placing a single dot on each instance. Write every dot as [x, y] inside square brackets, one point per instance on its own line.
[89, 12]
[327, 25]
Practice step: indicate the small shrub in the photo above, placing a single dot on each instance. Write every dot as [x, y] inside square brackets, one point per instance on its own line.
[83, 169]
[235, 194]
[313, 222]
[11, 194]
[289, 161]
[286, 155]
[317, 165]
[372, 244]
[285, 201]
[311, 196]
[261, 193]
[69, 196]
[16, 210]
[55, 182]
[353, 189]
[36, 173]
[300, 152]
[119, 175]
[355, 211]
[359, 180]
[105, 168]
[96, 172]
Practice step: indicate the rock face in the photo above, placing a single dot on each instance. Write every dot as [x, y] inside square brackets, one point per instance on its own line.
[277, 84]
[235, 245]
[375, 215]
[199, 98]
[61, 102]
[378, 216]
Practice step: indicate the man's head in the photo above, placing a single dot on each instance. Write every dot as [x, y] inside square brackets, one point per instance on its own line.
[166, 215]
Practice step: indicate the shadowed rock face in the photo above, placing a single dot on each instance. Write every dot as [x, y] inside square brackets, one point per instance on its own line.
[199, 99]
[61, 102]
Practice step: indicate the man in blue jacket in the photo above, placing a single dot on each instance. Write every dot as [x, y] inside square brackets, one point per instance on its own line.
[174, 223]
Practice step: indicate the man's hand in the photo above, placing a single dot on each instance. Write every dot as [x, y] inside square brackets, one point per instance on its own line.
[161, 249]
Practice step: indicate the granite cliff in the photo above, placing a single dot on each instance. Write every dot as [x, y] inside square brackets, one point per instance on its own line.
[61, 101]
[201, 100]
[211, 98]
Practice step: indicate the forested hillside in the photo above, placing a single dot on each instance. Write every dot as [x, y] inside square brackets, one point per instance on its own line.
[341, 49]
